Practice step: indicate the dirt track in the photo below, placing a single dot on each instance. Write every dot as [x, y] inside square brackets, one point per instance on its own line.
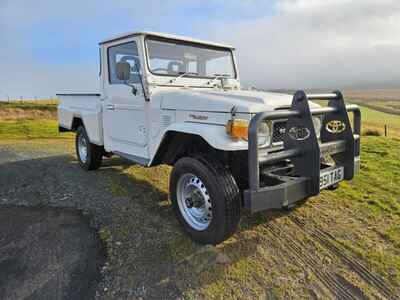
[274, 255]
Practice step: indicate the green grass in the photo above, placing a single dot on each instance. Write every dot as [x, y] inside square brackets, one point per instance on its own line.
[51, 106]
[374, 196]
[376, 120]
[26, 129]
[377, 117]
[30, 124]
[376, 187]
[394, 105]
[372, 119]
[386, 106]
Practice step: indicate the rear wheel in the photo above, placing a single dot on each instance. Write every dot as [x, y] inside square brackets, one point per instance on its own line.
[89, 155]
[206, 199]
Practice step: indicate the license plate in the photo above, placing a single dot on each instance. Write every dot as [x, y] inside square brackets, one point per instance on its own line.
[330, 177]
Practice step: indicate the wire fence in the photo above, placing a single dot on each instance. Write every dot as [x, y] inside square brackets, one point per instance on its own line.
[383, 130]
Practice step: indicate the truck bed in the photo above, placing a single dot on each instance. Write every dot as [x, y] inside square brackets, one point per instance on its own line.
[84, 107]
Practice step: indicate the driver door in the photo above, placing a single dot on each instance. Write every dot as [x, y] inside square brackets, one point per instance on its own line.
[125, 114]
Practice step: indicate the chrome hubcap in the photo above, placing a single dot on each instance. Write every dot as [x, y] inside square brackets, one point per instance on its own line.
[82, 148]
[194, 201]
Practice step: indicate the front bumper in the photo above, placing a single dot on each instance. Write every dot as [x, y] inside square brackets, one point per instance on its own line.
[275, 188]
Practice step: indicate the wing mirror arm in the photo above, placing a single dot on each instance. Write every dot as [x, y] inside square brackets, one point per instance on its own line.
[124, 74]
[134, 88]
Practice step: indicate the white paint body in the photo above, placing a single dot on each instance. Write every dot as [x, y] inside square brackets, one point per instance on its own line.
[125, 123]
[86, 107]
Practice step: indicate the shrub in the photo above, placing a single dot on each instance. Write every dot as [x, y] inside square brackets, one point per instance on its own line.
[372, 132]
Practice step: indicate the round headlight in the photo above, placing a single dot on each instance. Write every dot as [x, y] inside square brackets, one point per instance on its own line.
[317, 126]
[264, 135]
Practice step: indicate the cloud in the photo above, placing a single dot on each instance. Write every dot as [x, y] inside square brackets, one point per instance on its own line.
[317, 44]
[51, 46]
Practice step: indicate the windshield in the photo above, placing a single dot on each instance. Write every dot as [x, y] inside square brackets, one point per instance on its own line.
[173, 58]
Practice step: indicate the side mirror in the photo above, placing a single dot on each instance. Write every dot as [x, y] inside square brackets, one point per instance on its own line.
[123, 71]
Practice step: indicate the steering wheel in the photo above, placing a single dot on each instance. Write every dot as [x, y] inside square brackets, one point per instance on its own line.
[160, 69]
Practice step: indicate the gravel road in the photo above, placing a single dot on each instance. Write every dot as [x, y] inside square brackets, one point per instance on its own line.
[47, 252]
[45, 174]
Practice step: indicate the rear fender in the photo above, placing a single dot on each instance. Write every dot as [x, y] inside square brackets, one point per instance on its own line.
[92, 126]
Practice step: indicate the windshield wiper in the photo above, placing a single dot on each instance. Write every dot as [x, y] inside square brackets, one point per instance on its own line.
[183, 74]
[219, 76]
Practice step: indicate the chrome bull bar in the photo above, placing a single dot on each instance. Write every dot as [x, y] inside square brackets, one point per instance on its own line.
[342, 143]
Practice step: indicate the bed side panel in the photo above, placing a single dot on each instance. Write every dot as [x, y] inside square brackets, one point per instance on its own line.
[88, 108]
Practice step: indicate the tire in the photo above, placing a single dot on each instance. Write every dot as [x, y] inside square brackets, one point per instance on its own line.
[217, 187]
[94, 153]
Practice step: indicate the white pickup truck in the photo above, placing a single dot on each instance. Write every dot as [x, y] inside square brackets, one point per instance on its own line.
[173, 100]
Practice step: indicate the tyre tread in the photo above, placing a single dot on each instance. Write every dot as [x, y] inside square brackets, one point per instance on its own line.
[230, 193]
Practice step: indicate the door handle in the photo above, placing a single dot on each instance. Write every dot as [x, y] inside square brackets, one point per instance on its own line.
[110, 107]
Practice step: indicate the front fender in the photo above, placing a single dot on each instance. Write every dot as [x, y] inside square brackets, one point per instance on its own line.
[214, 135]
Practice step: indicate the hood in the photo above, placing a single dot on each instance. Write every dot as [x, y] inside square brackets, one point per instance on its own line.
[223, 101]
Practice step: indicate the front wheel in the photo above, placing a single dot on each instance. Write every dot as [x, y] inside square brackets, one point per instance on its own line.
[205, 198]
[89, 155]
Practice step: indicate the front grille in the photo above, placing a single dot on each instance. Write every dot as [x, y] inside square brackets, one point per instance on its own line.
[279, 131]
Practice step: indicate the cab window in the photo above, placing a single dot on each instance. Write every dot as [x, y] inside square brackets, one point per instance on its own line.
[127, 52]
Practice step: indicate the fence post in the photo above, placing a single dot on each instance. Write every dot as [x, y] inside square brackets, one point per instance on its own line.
[385, 130]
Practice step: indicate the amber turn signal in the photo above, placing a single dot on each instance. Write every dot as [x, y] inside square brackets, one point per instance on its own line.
[237, 128]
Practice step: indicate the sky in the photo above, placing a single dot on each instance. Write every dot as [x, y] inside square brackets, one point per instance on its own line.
[50, 46]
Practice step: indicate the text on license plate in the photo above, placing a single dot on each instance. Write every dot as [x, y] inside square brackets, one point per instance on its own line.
[330, 177]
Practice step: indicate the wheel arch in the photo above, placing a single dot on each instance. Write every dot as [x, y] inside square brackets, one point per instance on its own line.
[92, 131]
[177, 144]
[77, 121]
[210, 137]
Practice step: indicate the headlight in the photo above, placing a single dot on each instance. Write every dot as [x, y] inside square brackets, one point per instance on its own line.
[264, 134]
[238, 129]
[317, 126]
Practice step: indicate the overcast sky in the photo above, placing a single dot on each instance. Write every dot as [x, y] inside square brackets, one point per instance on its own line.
[50, 46]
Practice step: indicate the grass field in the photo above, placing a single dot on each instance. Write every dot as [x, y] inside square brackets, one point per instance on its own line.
[343, 241]
[31, 102]
[29, 119]
[387, 101]
[28, 129]
[47, 105]
[376, 120]
[16, 111]
[374, 95]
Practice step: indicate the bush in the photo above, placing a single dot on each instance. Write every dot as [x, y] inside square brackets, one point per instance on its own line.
[372, 132]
